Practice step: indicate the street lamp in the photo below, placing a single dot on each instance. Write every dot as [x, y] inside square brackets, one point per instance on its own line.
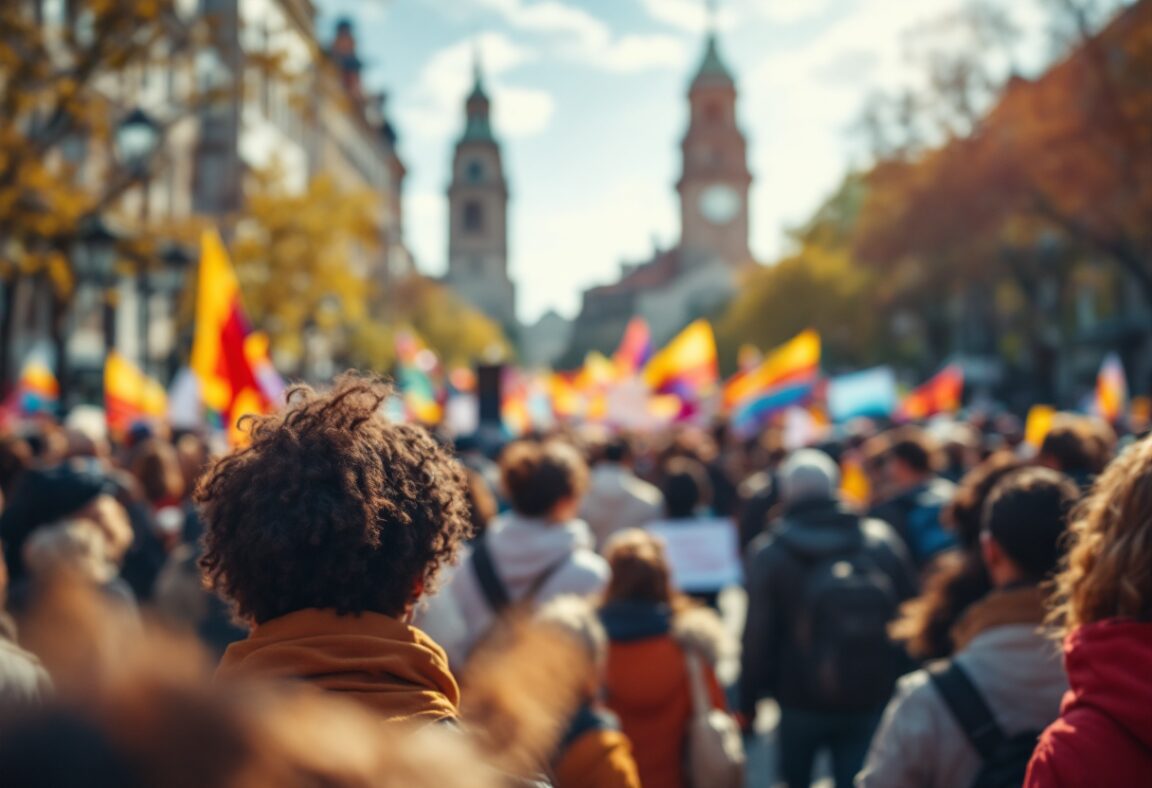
[96, 264]
[136, 141]
[167, 280]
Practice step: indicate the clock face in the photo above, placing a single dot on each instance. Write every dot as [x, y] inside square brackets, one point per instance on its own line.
[719, 203]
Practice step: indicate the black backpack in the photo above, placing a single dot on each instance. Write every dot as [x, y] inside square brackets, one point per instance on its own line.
[1004, 759]
[850, 662]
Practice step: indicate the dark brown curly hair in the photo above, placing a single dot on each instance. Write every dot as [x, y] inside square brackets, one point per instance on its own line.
[331, 506]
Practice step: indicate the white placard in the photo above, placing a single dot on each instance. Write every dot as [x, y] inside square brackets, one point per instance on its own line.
[704, 554]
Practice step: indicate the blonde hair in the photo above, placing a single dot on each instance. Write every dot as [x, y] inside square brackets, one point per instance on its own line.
[1108, 569]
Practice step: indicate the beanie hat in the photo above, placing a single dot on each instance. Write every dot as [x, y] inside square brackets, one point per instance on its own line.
[43, 497]
[809, 475]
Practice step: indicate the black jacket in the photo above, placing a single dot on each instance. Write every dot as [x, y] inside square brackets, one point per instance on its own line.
[775, 570]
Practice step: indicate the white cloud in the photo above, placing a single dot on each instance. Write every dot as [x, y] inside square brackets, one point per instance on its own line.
[522, 112]
[691, 15]
[426, 224]
[642, 52]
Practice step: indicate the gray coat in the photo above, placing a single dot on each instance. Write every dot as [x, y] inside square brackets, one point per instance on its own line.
[1015, 668]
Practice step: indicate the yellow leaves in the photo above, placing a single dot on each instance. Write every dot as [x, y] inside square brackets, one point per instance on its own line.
[60, 275]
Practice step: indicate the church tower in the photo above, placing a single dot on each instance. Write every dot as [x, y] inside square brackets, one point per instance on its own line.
[478, 215]
[715, 179]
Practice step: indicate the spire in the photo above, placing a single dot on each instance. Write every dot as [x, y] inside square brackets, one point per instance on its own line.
[477, 126]
[712, 67]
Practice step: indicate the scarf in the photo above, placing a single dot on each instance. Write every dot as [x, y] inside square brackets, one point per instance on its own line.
[396, 670]
[1023, 605]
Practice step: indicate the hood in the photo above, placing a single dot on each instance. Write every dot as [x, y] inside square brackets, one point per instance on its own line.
[627, 621]
[524, 547]
[395, 669]
[820, 528]
[1107, 664]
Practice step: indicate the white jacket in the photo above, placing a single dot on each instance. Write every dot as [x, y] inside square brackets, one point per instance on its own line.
[617, 499]
[522, 549]
[919, 744]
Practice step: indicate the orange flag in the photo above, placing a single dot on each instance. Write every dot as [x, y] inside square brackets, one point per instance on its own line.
[941, 394]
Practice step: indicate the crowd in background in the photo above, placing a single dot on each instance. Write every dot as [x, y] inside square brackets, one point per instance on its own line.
[940, 604]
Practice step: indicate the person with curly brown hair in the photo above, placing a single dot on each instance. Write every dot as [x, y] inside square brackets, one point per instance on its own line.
[1103, 608]
[322, 533]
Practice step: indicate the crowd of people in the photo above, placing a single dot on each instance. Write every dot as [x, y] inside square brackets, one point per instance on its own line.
[924, 605]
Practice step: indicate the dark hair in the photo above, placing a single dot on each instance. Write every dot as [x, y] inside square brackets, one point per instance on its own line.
[1027, 515]
[538, 475]
[686, 488]
[331, 506]
[964, 515]
[15, 458]
[640, 571]
[617, 449]
[156, 465]
[1075, 447]
[915, 449]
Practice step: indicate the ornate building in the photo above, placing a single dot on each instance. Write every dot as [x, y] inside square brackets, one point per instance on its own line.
[694, 278]
[478, 216]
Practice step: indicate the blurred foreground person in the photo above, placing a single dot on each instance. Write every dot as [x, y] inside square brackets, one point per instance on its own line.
[23, 680]
[617, 499]
[322, 533]
[538, 551]
[653, 633]
[917, 494]
[974, 721]
[1104, 608]
[140, 712]
[593, 752]
[822, 587]
[1077, 446]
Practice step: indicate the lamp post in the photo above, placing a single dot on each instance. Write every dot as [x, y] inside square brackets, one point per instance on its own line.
[168, 281]
[96, 265]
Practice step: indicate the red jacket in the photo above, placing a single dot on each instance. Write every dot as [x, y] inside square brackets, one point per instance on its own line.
[1104, 734]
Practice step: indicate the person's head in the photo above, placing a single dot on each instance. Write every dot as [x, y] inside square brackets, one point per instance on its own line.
[964, 514]
[911, 458]
[1108, 571]
[74, 549]
[544, 479]
[574, 619]
[617, 450]
[809, 475]
[333, 506]
[640, 571]
[1076, 446]
[156, 465]
[1024, 522]
[74, 491]
[15, 458]
[686, 488]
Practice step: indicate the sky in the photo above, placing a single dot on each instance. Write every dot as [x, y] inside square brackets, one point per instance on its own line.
[589, 101]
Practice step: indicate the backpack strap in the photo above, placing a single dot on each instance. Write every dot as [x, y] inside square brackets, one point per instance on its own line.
[495, 593]
[969, 708]
[493, 588]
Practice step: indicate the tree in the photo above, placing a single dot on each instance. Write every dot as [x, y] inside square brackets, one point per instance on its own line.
[61, 94]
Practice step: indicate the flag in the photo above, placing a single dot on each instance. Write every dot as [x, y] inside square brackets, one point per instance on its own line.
[796, 359]
[597, 374]
[870, 392]
[228, 384]
[687, 365]
[1038, 424]
[635, 348]
[940, 394]
[37, 390]
[130, 396]
[1111, 389]
[753, 411]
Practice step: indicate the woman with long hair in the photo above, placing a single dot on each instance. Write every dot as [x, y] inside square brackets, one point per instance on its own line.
[1102, 606]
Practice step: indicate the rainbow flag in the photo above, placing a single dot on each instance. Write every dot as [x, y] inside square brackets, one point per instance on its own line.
[797, 359]
[229, 386]
[130, 396]
[687, 365]
[752, 412]
[1111, 389]
[635, 348]
[37, 390]
[597, 374]
[943, 393]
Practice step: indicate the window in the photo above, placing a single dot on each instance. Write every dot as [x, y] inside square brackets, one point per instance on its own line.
[473, 216]
[475, 171]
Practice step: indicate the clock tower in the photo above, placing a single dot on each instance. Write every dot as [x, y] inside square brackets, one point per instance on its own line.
[715, 179]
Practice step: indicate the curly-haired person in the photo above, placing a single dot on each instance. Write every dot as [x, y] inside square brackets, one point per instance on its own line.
[322, 533]
[1103, 607]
